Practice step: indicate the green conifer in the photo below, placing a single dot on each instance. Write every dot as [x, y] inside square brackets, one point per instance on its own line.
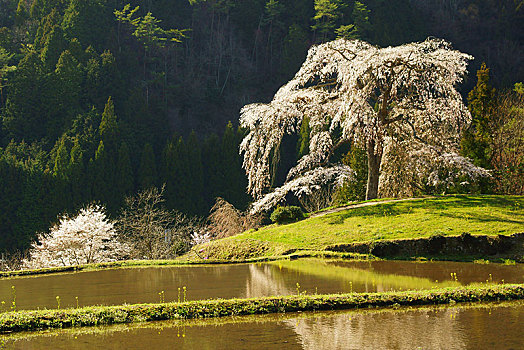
[147, 174]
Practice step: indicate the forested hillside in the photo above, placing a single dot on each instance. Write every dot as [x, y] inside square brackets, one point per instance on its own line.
[99, 98]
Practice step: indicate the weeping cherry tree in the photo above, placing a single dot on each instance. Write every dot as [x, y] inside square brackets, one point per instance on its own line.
[400, 104]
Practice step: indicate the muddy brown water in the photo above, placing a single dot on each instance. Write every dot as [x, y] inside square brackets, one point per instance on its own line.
[480, 326]
[143, 285]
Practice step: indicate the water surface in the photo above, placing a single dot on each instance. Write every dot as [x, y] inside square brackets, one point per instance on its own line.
[141, 285]
[480, 326]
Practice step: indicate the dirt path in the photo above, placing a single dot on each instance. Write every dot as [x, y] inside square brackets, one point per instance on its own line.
[360, 205]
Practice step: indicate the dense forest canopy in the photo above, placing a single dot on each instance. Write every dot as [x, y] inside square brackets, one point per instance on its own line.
[99, 99]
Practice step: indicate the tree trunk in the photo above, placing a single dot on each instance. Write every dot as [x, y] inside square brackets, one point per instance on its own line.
[374, 160]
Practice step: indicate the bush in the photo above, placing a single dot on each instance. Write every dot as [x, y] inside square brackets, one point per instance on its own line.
[151, 230]
[284, 215]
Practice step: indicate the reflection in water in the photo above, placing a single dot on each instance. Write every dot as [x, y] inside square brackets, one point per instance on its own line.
[426, 329]
[373, 276]
[266, 280]
[467, 273]
[142, 285]
[475, 326]
[362, 278]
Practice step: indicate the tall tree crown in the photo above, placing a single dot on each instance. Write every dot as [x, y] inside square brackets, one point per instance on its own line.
[390, 101]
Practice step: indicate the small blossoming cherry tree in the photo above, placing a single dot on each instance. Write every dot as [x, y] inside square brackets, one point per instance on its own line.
[398, 103]
[88, 237]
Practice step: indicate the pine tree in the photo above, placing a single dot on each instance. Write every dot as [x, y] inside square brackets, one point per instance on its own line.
[168, 173]
[294, 50]
[231, 178]
[481, 100]
[25, 116]
[88, 21]
[108, 129]
[327, 13]
[79, 191]
[61, 164]
[68, 90]
[47, 23]
[21, 13]
[110, 82]
[147, 174]
[360, 27]
[105, 185]
[125, 177]
[211, 153]
[228, 162]
[196, 174]
[100, 185]
[303, 138]
[183, 178]
[54, 45]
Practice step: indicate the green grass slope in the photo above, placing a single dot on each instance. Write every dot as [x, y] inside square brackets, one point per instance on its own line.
[406, 219]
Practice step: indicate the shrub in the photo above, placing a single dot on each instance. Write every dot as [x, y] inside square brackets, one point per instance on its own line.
[151, 230]
[225, 220]
[284, 215]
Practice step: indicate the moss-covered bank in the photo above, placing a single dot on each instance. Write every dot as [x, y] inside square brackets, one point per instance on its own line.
[103, 315]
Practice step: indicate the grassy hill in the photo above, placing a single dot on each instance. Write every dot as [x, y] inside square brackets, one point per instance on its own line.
[383, 221]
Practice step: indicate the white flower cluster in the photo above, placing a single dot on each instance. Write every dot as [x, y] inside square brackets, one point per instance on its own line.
[408, 166]
[305, 185]
[456, 166]
[200, 238]
[89, 237]
[374, 97]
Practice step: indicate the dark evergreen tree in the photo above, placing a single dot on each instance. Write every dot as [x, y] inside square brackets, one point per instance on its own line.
[61, 164]
[66, 103]
[21, 13]
[294, 50]
[147, 174]
[168, 173]
[481, 101]
[196, 175]
[124, 172]
[78, 177]
[88, 21]
[103, 188]
[25, 114]
[229, 164]
[184, 197]
[303, 139]
[54, 45]
[108, 125]
[213, 181]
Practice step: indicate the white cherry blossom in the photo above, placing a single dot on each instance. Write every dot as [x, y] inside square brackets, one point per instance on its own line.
[390, 101]
[89, 237]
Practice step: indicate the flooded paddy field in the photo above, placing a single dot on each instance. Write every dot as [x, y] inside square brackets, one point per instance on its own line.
[468, 326]
[157, 284]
